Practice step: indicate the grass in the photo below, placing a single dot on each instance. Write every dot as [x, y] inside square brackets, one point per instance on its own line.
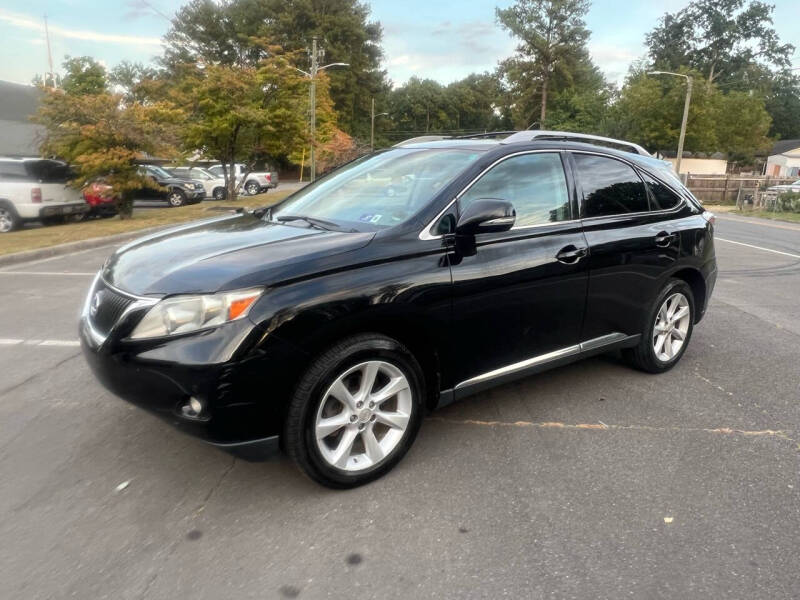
[789, 217]
[42, 237]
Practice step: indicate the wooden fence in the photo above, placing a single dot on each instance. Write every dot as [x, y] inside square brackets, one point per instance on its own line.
[732, 189]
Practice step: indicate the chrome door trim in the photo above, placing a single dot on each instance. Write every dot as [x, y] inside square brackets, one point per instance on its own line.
[583, 347]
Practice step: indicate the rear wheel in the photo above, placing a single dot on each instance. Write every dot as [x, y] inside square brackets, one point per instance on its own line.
[9, 220]
[355, 412]
[176, 198]
[219, 193]
[668, 330]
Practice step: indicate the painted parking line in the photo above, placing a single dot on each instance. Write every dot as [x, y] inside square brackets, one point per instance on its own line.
[719, 239]
[36, 342]
[49, 273]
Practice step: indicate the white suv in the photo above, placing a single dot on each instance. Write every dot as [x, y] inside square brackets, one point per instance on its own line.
[35, 189]
[256, 182]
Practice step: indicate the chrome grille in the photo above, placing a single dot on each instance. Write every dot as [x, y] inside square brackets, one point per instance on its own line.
[106, 307]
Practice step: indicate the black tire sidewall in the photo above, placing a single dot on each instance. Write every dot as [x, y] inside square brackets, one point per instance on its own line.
[673, 286]
[362, 349]
[250, 186]
[179, 193]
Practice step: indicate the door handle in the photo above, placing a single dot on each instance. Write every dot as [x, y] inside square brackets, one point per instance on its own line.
[571, 254]
[663, 238]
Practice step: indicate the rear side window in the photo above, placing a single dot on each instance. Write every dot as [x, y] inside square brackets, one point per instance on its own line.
[662, 198]
[534, 183]
[13, 171]
[49, 171]
[610, 187]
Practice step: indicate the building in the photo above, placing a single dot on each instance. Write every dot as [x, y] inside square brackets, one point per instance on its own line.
[699, 163]
[18, 136]
[784, 159]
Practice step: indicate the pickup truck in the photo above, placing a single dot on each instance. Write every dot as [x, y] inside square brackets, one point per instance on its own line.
[256, 182]
[35, 189]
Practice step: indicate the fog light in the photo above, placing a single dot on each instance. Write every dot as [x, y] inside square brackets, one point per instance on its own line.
[193, 409]
[195, 405]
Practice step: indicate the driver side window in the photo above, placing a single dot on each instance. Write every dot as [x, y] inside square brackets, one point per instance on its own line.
[534, 183]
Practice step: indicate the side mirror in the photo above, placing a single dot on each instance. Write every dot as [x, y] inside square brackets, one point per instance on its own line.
[486, 215]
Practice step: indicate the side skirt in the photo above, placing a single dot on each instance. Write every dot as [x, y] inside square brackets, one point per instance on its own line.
[537, 364]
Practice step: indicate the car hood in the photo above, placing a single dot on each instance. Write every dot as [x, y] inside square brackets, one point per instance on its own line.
[231, 252]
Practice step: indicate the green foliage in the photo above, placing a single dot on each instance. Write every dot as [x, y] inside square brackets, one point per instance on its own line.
[101, 137]
[552, 37]
[84, 75]
[783, 105]
[789, 202]
[242, 113]
[131, 79]
[649, 111]
[228, 33]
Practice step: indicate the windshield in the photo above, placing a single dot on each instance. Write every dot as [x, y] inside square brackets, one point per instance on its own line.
[158, 171]
[379, 190]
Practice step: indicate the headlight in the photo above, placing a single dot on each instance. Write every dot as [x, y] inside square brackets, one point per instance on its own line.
[183, 314]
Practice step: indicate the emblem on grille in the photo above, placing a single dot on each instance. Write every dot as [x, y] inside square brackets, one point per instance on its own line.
[96, 300]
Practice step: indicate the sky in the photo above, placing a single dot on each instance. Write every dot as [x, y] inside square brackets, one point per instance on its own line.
[444, 41]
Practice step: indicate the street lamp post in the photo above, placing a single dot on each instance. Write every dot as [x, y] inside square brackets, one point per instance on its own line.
[315, 68]
[685, 113]
[372, 126]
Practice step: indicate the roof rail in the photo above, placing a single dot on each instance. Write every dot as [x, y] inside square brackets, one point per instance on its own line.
[489, 134]
[569, 136]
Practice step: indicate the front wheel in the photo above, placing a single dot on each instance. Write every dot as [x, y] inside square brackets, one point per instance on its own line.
[668, 329]
[176, 198]
[219, 193]
[252, 188]
[355, 412]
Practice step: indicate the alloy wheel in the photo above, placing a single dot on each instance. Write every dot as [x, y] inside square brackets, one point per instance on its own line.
[6, 221]
[252, 188]
[176, 199]
[363, 416]
[671, 327]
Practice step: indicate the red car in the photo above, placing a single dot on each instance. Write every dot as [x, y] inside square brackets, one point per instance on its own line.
[99, 197]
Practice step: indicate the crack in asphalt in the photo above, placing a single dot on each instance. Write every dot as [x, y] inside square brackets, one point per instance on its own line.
[600, 426]
[39, 374]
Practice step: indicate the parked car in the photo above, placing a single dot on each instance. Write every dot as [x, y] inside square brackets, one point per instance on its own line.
[329, 323]
[35, 189]
[100, 198]
[174, 190]
[256, 181]
[213, 185]
[786, 187]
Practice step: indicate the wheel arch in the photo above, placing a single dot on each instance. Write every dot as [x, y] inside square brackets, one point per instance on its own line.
[694, 279]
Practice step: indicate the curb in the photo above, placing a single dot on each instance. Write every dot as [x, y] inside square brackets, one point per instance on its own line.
[69, 247]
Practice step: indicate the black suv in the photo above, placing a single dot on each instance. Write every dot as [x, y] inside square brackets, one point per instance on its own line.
[400, 282]
[174, 190]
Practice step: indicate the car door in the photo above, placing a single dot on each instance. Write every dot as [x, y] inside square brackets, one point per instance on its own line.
[518, 295]
[630, 245]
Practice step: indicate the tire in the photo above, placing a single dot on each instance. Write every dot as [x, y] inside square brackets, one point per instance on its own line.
[9, 219]
[176, 198]
[378, 446]
[645, 356]
[252, 188]
[218, 193]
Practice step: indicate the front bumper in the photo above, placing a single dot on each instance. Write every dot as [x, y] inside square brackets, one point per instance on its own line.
[244, 397]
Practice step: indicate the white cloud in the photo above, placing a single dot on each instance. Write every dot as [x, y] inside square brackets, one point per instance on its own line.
[25, 22]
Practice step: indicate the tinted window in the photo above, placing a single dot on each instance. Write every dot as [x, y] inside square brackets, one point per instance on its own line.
[12, 170]
[534, 183]
[610, 187]
[662, 198]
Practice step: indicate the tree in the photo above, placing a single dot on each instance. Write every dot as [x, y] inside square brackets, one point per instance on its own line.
[783, 105]
[649, 111]
[100, 136]
[550, 33]
[227, 33]
[84, 75]
[131, 78]
[722, 39]
[241, 113]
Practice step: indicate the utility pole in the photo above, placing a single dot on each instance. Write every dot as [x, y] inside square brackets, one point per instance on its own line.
[313, 105]
[372, 126]
[49, 54]
[688, 79]
[316, 54]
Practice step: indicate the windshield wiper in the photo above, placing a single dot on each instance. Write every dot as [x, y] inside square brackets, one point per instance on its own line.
[314, 222]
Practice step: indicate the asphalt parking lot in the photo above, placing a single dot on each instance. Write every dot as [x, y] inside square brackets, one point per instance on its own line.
[590, 481]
